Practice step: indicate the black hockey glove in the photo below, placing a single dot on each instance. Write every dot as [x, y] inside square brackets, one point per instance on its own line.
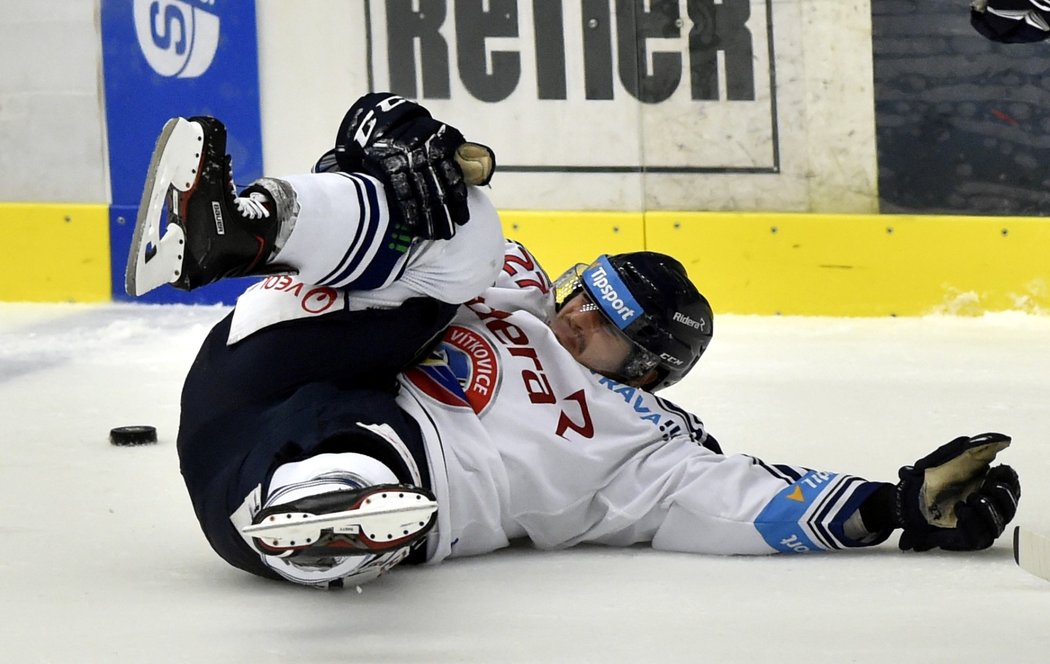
[951, 499]
[425, 165]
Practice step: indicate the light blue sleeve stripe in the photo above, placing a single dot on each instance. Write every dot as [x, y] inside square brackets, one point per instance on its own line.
[781, 521]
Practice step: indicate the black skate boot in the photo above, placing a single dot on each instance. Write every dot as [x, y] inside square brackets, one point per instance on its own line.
[210, 233]
[372, 519]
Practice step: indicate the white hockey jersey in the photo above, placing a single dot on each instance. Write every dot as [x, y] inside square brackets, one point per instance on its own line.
[523, 441]
[535, 445]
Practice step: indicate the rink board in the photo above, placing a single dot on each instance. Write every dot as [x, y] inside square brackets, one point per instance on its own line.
[746, 263]
[860, 265]
[54, 252]
[819, 264]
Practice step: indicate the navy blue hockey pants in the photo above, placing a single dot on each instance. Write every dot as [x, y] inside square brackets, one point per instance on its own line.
[291, 391]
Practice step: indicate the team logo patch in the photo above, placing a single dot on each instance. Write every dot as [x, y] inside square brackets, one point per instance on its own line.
[463, 371]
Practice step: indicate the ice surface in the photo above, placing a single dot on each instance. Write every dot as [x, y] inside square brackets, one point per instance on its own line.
[104, 561]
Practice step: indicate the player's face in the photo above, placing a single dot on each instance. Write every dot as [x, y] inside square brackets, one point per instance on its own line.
[589, 336]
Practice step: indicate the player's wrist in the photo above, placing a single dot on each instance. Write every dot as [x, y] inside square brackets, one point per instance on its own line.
[879, 510]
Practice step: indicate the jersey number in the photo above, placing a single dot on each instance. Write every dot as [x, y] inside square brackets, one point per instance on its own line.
[512, 265]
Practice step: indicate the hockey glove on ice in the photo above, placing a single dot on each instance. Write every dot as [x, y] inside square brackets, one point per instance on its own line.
[951, 499]
[425, 165]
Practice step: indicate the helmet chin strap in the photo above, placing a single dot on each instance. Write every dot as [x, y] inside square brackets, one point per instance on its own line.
[639, 362]
[643, 381]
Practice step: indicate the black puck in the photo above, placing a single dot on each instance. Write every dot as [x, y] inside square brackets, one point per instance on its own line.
[131, 436]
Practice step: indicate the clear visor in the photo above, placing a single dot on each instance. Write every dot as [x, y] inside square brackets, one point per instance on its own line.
[639, 361]
[568, 284]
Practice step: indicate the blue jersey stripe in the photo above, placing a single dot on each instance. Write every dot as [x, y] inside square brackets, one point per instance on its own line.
[376, 234]
[823, 514]
[370, 228]
[775, 471]
[388, 252]
[354, 248]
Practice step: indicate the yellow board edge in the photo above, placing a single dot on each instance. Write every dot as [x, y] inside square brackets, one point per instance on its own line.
[559, 240]
[819, 264]
[746, 263]
[54, 252]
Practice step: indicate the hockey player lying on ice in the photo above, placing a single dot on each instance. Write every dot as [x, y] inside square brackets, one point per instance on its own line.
[408, 386]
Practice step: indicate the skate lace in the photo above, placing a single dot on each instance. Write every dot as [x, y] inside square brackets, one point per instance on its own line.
[252, 206]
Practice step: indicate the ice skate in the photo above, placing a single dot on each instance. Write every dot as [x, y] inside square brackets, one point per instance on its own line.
[373, 519]
[210, 233]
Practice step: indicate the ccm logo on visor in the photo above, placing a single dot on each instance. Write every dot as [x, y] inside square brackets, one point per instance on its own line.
[608, 290]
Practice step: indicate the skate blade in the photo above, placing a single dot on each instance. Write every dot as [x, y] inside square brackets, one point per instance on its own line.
[154, 260]
[385, 516]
